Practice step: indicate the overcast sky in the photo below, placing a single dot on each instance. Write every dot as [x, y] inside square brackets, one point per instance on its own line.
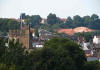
[62, 8]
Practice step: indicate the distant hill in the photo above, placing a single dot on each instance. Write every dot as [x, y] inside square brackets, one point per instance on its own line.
[75, 30]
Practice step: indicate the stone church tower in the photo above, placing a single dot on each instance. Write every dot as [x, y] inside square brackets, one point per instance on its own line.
[23, 35]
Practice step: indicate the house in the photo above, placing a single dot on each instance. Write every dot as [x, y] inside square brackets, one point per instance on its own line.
[63, 19]
[44, 32]
[88, 53]
[44, 35]
[85, 46]
[43, 21]
[96, 40]
[37, 44]
[91, 58]
[96, 47]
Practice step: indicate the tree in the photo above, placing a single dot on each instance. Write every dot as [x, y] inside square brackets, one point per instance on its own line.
[13, 24]
[94, 17]
[8, 24]
[35, 20]
[12, 67]
[92, 65]
[22, 16]
[3, 67]
[87, 21]
[2, 47]
[69, 23]
[36, 33]
[95, 24]
[14, 53]
[58, 54]
[87, 35]
[77, 21]
[59, 21]
[51, 19]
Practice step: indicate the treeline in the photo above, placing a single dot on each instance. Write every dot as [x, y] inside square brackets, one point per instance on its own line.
[92, 22]
[34, 20]
[57, 54]
[53, 21]
[7, 24]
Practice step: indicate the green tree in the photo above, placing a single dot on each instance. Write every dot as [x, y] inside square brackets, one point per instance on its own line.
[92, 65]
[22, 16]
[12, 25]
[59, 21]
[87, 21]
[51, 19]
[69, 23]
[36, 33]
[12, 67]
[35, 20]
[2, 47]
[3, 67]
[95, 24]
[14, 53]
[94, 17]
[77, 21]
[87, 35]
[58, 54]
[8, 24]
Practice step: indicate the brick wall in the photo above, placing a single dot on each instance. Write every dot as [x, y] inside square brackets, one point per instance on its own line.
[23, 35]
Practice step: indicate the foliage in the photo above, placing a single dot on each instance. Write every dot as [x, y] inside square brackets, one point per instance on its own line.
[34, 20]
[88, 35]
[3, 67]
[8, 24]
[36, 33]
[92, 65]
[57, 54]
[94, 17]
[54, 22]
[95, 24]
[65, 48]
[2, 47]
[23, 16]
[51, 19]
[12, 55]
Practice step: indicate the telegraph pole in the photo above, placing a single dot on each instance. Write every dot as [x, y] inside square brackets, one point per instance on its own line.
[21, 21]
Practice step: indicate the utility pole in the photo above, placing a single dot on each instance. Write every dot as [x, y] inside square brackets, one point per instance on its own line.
[21, 21]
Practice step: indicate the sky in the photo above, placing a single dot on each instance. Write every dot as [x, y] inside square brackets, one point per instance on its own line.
[62, 8]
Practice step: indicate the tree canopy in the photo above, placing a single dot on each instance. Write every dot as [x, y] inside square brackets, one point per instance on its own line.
[57, 54]
[8, 24]
[51, 19]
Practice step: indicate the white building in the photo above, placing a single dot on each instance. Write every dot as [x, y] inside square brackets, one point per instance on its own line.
[96, 40]
[37, 45]
[85, 46]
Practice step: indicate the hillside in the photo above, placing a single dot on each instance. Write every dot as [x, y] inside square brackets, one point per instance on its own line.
[75, 30]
